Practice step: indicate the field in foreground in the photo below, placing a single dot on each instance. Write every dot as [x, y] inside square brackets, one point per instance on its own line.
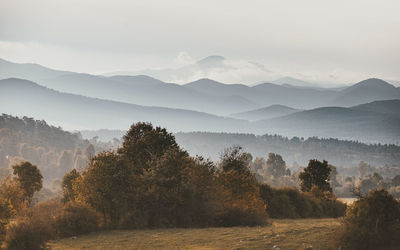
[285, 234]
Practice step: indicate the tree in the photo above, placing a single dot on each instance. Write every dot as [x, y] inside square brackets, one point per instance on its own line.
[105, 185]
[178, 191]
[370, 182]
[29, 178]
[235, 159]
[396, 181]
[67, 185]
[89, 151]
[363, 169]
[66, 160]
[276, 165]
[239, 202]
[12, 192]
[143, 144]
[333, 176]
[372, 222]
[316, 174]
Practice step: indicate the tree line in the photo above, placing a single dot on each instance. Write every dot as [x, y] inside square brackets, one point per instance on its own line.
[296, 150]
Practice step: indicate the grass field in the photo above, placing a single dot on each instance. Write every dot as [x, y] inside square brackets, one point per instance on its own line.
[285, 234]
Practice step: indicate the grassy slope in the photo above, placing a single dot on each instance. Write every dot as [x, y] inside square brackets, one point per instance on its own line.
[287, 234]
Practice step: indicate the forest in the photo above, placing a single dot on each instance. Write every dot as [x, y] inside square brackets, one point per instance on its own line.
[295, 150]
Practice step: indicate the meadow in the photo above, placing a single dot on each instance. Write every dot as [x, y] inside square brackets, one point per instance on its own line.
[279, 234]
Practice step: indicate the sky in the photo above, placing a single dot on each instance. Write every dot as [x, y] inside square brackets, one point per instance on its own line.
[321, 40]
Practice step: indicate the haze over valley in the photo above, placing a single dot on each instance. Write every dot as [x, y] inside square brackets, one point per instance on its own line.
[366, 111]
[199, 124]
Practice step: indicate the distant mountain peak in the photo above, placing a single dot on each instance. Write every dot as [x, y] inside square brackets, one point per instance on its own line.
[369, 90]
[266, 84]
[373, 82]
[292, 81]
[204, 81]
[212, 61]
[212, 58]
[143, 79]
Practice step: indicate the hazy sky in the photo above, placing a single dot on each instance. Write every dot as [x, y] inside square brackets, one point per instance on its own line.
[340, 41]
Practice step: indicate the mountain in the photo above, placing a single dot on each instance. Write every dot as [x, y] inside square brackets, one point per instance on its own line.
[26, 98]
[204, 95]
[148, 91]
[29, 71]
[214, 88]
[337, 122]
[293, 81]
[267, 94]
[212, 61]
[76, 112]
[138, 89]
[53, 150]
[390, 107]
[265, 113]
[366, 91]
[216, 67]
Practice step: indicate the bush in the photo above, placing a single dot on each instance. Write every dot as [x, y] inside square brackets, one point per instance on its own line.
[26, 234]
[372, 222]
[33, 227]
[76, 219]
[49, 220]
[291, 203]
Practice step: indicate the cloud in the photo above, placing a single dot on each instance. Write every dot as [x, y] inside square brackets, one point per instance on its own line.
[183, 59]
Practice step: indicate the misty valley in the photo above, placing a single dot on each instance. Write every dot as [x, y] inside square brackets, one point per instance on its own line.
[204, 153]
[199, 124]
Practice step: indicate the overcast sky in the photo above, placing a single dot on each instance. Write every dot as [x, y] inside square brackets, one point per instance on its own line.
[338, 41]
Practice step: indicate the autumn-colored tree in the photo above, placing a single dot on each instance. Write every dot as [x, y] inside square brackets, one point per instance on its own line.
[11, 192]
[67, 185]
[316, 174]
[276, 165]
[178, 191]
[239, 202]
[234, 158]
[372, 222]
[143, 144]
[104, 185]
[29, 178]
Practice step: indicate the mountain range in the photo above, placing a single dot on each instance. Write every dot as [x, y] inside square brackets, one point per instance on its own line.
[204, 95]
[366, 111]
[26, 98]
[265, 113]
[214, 67]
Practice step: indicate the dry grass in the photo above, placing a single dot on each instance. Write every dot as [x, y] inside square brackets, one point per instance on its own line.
[287, 234]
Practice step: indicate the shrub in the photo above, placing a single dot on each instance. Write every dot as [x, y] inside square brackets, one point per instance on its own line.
[291, 203]
[238, 201]
[372, 222]
[33, 227]
[26, 234]
[76, 219]
[49, 220]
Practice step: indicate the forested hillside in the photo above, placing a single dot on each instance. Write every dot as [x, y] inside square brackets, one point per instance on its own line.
[54, 150]
[299, 150]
